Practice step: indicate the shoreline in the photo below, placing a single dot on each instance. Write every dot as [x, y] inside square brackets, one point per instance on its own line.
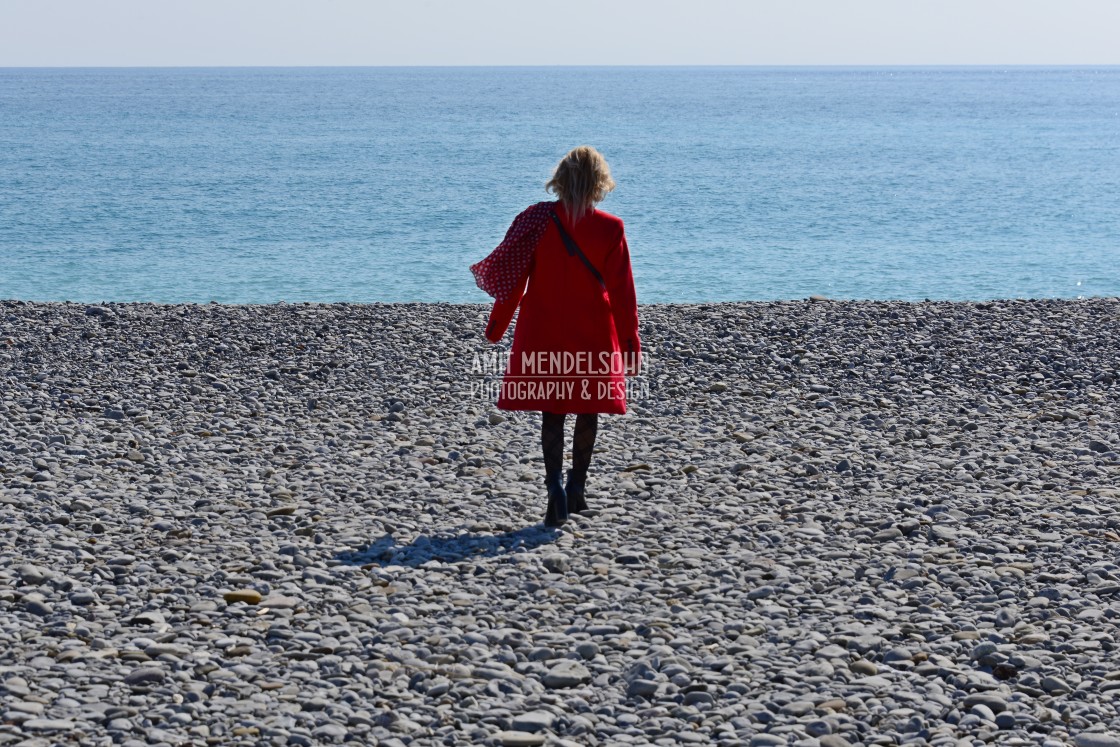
[830, 523]
[487, 303]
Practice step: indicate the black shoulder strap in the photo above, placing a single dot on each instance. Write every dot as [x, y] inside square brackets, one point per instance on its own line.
[574, 250]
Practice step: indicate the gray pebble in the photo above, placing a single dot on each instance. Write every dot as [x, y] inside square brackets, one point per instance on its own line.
[566, 673]
[534, 721]
[144, 676]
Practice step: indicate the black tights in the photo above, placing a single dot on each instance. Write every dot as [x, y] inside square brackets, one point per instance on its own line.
[583, 443]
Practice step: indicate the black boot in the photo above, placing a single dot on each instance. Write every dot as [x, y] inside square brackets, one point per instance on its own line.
[557, 512]
[574, 491]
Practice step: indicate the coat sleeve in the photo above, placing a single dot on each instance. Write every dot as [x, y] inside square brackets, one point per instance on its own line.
[624, 302]
[502, 312]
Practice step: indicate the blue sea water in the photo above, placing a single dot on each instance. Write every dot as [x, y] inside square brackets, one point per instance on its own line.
[384, 184]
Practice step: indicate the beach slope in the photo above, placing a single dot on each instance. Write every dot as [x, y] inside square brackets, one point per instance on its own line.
[820, 523]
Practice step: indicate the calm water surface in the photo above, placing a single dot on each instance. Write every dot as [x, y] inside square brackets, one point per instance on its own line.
[383, 184]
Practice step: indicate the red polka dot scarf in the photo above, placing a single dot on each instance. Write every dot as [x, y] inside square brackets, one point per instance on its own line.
[499, 272]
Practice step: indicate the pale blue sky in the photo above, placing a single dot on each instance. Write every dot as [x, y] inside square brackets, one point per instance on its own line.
[570, 32]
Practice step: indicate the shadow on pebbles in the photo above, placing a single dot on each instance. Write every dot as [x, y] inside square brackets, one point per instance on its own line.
[821, 523]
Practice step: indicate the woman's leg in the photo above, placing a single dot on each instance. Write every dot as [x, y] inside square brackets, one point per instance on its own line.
[583, 445]
[552, 442]
[552, 446]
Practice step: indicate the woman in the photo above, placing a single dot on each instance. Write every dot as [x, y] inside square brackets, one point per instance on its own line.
[576, 337]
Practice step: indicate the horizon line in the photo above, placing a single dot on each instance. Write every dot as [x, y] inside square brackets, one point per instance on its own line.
[266, 66]
[569, 66]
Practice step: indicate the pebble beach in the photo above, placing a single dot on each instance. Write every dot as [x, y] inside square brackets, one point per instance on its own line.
[821, 523]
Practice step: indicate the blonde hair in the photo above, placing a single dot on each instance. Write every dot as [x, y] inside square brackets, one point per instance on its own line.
[581, 179]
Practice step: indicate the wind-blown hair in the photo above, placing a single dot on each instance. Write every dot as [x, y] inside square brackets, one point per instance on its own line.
[581, 179]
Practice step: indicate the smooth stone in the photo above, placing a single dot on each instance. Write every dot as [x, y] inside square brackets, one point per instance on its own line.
[566, 673]
[248, 596]
[641, 688]
[33, 575]
[990, 700]
[1055, 685]
[157, 735]
[943, 533]
[864, 666]
[1096, 739]
[17, 717]
[27, 706]
[145, 676]
[170, 649]
[148, 617]
[47, 724]
[520, 739]
[38, 607]
[897, 654]
[818, 728]
[83, 597]
[329, 731]
[555, 562]
[280, 602]
[983, 712]
[1005, 721]
[873, 682]
[984, 649]
[698, 697]
[1006, 618]
[534, 721]
[798, 708]
[767, 740]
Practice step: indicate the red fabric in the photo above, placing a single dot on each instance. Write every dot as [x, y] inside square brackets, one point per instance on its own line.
[571, 334]
[499, 272]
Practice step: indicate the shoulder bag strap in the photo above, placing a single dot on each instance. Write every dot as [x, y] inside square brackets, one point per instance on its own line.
[574, 250]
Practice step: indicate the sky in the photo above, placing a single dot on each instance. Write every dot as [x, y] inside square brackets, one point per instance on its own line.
[74, 33]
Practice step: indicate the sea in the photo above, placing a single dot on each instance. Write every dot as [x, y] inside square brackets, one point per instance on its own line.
[266, 185]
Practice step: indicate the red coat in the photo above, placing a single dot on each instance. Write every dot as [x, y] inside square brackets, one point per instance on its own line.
[572, 334]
